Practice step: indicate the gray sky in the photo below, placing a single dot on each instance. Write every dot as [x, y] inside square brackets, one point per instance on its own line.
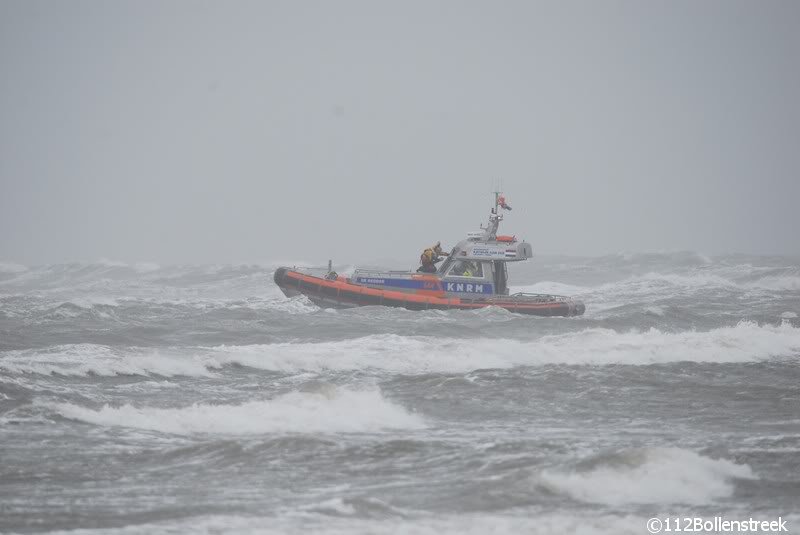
[190, 131]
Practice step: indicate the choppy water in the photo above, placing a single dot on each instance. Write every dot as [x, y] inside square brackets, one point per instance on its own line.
[142, 399]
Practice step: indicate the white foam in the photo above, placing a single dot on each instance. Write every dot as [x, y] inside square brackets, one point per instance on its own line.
[551, 287]
[690, 280]
[651, 475]
[777, 283]
[744, 342]
[299, 304]
[333, 410]
[533, 523]
[669, 283]
[89, 301]
[336, 506]
[636, 288]
[667, 255]
[146, 267]
[86, 359]
[107, 262]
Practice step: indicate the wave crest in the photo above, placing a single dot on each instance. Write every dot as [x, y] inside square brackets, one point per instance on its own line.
[93, 359]
[744, 342]
[650, 475]
[333, 410]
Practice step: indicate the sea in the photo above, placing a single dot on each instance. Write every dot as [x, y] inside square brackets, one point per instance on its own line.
[139, 398]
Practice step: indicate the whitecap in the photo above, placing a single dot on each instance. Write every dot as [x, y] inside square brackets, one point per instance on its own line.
[777, 283]
[337, 411]
[649, 475]
[745, 342]
[95, 359]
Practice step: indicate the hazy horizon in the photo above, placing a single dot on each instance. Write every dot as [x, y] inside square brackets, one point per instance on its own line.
[244, 132]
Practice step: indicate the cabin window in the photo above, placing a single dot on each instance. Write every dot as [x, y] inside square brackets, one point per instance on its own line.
[467, 268]
[446, 264]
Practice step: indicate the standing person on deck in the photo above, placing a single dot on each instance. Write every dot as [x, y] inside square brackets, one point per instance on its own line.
[430, 257]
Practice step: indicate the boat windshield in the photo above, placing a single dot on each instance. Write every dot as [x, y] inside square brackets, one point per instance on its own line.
[467, 268]
[448, 262]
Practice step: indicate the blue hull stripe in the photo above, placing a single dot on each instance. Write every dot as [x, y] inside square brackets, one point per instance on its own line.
[400, 283]
[414, 284]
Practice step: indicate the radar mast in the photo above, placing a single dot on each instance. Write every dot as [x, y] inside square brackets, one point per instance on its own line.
[490, 232]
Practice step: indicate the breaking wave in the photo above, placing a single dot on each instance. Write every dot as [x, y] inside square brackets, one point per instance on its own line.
[654, 283]
[649, 475]
[93, 359]
[327, 410]
[745, 342]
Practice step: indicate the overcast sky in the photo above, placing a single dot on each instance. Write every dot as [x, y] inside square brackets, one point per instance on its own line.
[188, 131]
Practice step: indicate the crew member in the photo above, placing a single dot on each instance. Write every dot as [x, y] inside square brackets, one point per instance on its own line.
[465, 268]
[430, 257]
[470, 270]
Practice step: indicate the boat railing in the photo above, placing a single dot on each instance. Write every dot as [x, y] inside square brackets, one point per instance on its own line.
[382, 273]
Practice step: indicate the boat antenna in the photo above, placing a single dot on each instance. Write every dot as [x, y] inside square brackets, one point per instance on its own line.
[496, 214]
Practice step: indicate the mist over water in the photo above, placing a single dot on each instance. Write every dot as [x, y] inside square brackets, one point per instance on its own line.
[196, 145]
[195, 131]
[159, 399]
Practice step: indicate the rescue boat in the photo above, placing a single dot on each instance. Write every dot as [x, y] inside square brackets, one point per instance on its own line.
[473, 275]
